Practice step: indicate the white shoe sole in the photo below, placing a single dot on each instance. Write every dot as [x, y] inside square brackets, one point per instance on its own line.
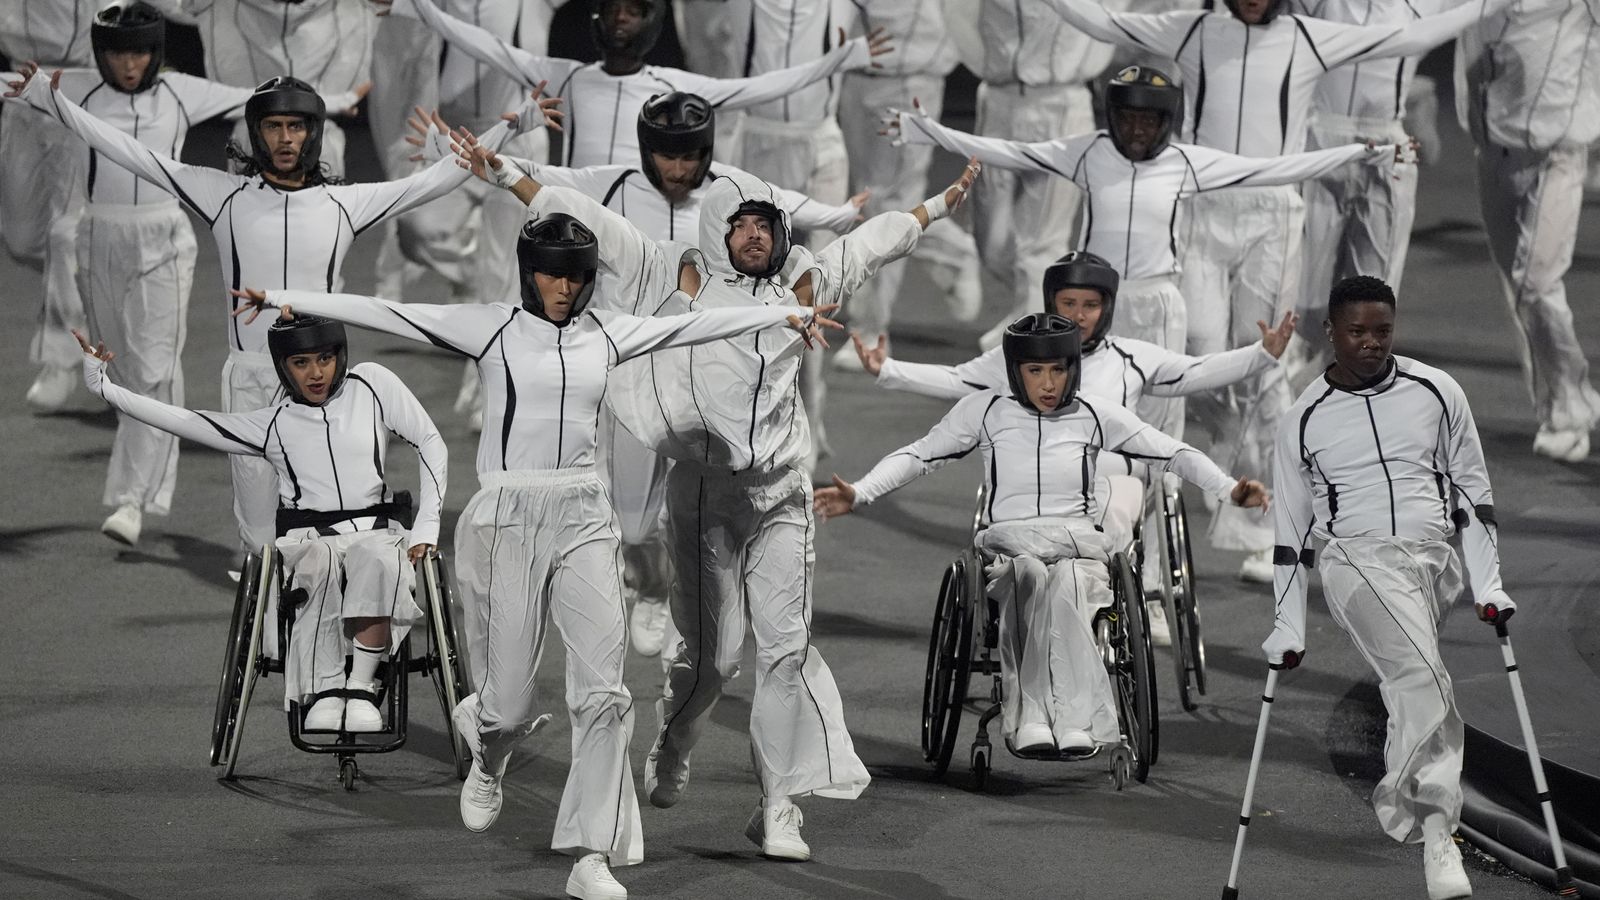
[575, 888]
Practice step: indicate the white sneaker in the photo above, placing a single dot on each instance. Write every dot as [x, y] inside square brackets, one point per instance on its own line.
[776, 830]
[361, 716]
[123, 525]
[1160, 631]
[1257, 567]
[325, 715]
[846, 360]
[53, 388]
[665, 774]
[1075, 741]
[1034, 737]
[647, 625]
[481, 796]
[591, 880]
[1441, 865]
[1566, 446]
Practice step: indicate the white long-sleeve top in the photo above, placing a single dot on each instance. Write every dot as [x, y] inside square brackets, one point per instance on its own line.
[1248, 88]
[628, 192]
[602, 109]
[472, 93]
[921, 44]
[325, 42]
[1133, 215]
[1396, 459]
[158, 118]
[328, 458]
[267, 237]
[1026, 43]
[49, 32]
[542, 384]
[1375, 89]
[1529, 76]
[732, 405]
[781, 34]
[1040, 465]
[1123, 370]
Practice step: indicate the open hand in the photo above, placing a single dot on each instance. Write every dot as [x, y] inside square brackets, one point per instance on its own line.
[27, 70]
[812, 330]
[1276, 340]
[833, 502]
[872, 358]
[878, 43]
[956, 194]
[98, 352]
[417, 552]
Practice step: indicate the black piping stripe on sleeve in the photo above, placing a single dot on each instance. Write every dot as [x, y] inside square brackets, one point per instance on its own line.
[1313, 44]
[231, 436]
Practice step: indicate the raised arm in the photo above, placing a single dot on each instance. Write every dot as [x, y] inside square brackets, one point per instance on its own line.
[1337, 43]
[1172, 374]
[639, 273]
[986, 372]
[739, 93]
[1474, 498]
[1217, 169]
[1162, 34]
[1292, 519]
[244, 434]
[515, 63]
[467, 329]
[403, 414]
[1056, 157]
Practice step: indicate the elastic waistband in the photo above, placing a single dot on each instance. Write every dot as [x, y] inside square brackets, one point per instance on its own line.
[1355, 128]
[515, 478]
[131, 212]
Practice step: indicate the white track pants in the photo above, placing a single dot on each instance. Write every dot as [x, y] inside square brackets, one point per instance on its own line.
[41, 191]
[898, 180]
[1389, 595]
[135, 273]
[1358, 222]
[1025, 221]
[1531, 201]
[1152, 309]
[249, 382]
[537, 547]
[742, 548]
[636, 480]
[1241, 264]
[348, 576]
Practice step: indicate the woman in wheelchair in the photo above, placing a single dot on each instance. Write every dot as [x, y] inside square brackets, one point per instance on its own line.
[341, 545]
[1040, 441]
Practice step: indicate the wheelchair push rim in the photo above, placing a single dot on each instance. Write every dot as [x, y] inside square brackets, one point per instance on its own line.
[444, 657]
[944, 685]
[1134, 672]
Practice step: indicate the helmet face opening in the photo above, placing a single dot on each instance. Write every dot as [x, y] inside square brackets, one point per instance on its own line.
[676, 124]
[129, 27]
[1043, 338]
[559, 246]
[1082, 269]
[286, 96]
[779, 221]
[307, 334]
[1273, 8]
[1144, 109]
[611, 25]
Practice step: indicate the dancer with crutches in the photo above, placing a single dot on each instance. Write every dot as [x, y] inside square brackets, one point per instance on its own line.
[1380, 459]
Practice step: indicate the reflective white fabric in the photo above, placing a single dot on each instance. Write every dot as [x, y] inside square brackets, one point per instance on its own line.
[41, 193]
[249, 382]
[1498, 98]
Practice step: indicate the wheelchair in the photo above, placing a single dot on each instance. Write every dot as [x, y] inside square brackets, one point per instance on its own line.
[253, 651]
[964, 642]
[1176, 555]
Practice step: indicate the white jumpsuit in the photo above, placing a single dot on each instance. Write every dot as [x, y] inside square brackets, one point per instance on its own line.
[739, 504]
[538, 542]
[1248, 89]
[1048, 569]
[330, 458]
[1384, 475]
[266, 237]
[1532, 136]
[41, 183]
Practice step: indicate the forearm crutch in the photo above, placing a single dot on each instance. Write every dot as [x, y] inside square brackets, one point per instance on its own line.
[1231, 890]
[1564, 885]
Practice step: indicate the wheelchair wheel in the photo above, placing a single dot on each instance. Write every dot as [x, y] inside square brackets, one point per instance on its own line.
[444, 657]
[1134, 676]
[1188, 619]
[1176, 585]
[240, 665]
[944, 686]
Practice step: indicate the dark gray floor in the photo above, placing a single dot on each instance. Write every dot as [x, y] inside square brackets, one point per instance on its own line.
[110, 659]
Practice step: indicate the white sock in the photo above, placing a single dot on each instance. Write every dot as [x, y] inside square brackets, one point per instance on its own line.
[364, 663]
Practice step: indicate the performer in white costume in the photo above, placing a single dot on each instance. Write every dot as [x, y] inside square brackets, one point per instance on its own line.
[1380, 460]
[1040, 439]
[41, 188]
[327, 439]
[1533, 135]
[136, 251]
[538, 542]
[284, 224]
[1249, 75]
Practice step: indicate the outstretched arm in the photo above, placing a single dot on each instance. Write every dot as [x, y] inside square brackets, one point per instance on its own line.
[1162, 34]
[1338, 43]
[1056, 157]
[1174, 374]
[1217, 169]
[466, 329]
[986, 372]
[515, 63]
[739, 93]
[1125, 433]
[952, 438]
[632, 336]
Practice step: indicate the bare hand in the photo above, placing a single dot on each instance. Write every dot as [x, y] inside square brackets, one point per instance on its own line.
[836, 501]
[474, 157]
[418, 551]
[878, 43]
[1276, 340]
[548, 106]
[812, 330]
[957, 193]
[361, 91]
[872, 358]
[254, 302]
[1251, 494]
[99, 352]
[859, 201]
[894, 124]
[27, 70]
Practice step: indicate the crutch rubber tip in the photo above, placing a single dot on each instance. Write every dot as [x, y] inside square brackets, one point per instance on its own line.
[1230, 893]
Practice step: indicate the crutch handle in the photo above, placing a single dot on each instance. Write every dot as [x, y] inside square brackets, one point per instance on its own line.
[1291, 659]
[1498, 617]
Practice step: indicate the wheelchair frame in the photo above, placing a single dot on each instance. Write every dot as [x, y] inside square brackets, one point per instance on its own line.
[262, 584]
[1178, 596]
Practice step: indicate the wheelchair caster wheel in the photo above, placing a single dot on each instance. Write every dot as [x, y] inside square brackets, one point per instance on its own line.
[348, 773]
[980, 766]
[1121, 768]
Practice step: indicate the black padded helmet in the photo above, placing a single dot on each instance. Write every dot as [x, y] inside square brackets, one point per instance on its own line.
[781, 238]
[655, 19]
[678, 122]
[1082, 269]
[1141, 87]
[130, 26]
[1273, 8]
[307, 334]
[286, 95]
[1043, 337]
[557, 244]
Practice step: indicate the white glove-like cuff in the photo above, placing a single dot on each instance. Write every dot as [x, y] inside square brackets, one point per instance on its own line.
[530, 115]
[1282, 640]
[509, 174]
[436, 145]
[94, 373]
